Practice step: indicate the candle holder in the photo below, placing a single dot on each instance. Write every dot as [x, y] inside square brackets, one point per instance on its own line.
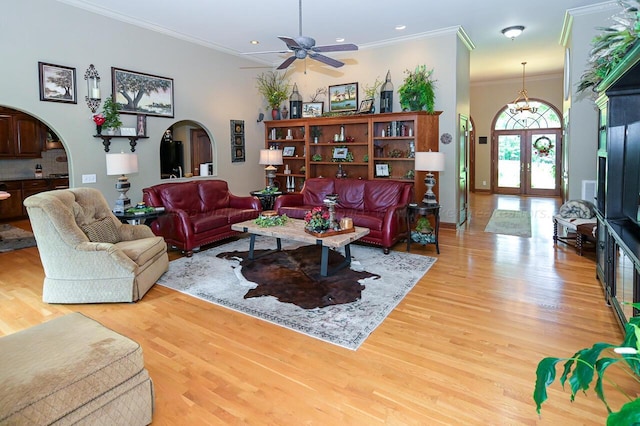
[330, 201]
[93, 88]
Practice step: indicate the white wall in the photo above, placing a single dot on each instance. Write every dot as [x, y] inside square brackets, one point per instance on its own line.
[210, 88]
[582, 137]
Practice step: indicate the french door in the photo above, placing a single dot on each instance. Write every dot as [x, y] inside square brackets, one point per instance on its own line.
[527, 162]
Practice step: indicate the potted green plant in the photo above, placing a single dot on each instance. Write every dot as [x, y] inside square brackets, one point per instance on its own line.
[274, 87]
[111, 116]
[417, 91]
[579, 370]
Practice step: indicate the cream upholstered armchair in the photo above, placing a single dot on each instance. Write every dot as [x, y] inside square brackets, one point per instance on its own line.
[87, 254]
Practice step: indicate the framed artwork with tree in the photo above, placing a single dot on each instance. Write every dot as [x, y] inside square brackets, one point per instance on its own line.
[57, 83]
[139, 93]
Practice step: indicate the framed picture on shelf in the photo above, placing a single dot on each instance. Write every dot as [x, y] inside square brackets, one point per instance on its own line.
[366, 106]
[312, 109]
[340, 153]
[139, 93]
[343, 97]
[382, 170]
[57, 83]
[288, 151]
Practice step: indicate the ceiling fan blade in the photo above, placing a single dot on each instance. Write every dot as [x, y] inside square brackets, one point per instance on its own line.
[336, 48]
[286, 62]
[265, 52]
[291, 43]
[325, 59]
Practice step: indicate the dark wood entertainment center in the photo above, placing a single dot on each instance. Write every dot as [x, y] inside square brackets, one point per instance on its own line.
[618, 186]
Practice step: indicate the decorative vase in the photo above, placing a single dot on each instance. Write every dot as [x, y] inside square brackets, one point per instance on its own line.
[284, 112]
[98, 129]
[275, 114]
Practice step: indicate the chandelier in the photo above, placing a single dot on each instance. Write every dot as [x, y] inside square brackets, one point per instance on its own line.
[521, 103]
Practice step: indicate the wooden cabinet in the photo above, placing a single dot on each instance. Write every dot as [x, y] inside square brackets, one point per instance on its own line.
[377, 146]
[12, 207]
[20, 135]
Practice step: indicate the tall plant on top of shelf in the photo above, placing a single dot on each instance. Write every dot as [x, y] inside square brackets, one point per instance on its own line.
[417, 93]
[274, 86]
[610, 47]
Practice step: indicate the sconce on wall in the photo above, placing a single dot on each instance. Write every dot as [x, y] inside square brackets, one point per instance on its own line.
[93, 88]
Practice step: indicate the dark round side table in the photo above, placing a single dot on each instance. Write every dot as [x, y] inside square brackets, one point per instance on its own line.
[425, 210]
[266, 199]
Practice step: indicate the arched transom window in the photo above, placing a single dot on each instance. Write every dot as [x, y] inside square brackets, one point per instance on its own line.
[545, 117]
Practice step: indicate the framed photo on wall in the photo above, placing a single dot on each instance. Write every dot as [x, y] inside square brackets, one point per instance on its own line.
[237, 141]
[57, 83]
[343, 97]
[139, 93]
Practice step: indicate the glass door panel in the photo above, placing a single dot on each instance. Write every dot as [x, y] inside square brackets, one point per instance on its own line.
[543, 161]
[509, 161]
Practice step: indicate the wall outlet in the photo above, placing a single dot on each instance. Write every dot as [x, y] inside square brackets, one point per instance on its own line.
[88, 178]
[484, 183]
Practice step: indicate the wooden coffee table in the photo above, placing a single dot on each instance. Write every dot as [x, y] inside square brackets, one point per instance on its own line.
[294, 230]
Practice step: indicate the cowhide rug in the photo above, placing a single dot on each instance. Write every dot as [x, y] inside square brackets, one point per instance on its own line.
[293, 276]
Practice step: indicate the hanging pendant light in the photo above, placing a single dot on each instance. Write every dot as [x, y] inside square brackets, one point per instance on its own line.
[521, 104]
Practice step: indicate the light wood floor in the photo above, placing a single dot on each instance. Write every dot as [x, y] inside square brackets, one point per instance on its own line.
[460, 349]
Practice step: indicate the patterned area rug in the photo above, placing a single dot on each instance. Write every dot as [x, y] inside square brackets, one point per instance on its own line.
[510, 222]
[12, 238]
[220, 281]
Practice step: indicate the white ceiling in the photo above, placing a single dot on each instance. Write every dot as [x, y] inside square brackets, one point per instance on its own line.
[231, 25]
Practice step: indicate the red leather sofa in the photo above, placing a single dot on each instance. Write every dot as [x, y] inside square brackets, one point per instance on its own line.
[198, 212]
[379, 205]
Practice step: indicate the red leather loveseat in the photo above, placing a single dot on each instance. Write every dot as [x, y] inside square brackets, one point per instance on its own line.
[379, 205]
[198, 212]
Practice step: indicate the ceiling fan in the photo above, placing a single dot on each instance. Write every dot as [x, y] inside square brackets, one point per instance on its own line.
[303, 46]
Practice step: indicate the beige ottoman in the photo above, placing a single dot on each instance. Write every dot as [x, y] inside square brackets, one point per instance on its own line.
[73, 370]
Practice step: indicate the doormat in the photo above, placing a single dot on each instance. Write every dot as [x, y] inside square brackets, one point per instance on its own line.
[510, 222]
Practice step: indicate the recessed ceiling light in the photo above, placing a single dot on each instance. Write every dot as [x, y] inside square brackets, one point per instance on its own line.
[254, 42]
[340, 39]
[400, 27]
[513, 32]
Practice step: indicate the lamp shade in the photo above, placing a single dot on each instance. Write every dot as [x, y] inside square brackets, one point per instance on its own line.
[270, 157]
[122, 163]
[429, 161]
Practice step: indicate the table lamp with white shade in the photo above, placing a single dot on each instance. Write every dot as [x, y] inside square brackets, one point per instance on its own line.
[270, 158]
[429, 162]
[122, 164]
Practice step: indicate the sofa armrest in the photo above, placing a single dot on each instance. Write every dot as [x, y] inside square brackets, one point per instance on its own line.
[248, 202]
[288, 200]
[175, 224]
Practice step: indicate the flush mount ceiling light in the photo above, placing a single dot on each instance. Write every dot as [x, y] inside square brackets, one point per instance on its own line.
[400, 27]
[513, 32]
[521, 103]
[254, 42]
